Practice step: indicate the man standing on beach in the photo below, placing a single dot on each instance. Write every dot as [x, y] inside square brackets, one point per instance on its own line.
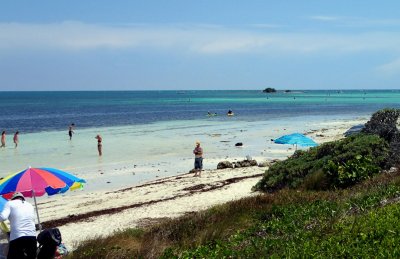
[23, 232]
[198, 159]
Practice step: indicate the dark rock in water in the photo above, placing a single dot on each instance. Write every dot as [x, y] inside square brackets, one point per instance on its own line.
[224, 164]
[239, 144]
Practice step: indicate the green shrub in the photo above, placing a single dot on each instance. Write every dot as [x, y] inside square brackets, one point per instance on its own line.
[353, 223]
[334, 164]
[316, 181]
[384, 124]
[350, 172]
[288, 224]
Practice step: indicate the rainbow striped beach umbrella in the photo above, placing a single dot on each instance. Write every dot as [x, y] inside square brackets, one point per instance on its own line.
[33, 182]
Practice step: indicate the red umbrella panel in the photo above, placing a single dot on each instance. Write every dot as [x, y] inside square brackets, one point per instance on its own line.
[34, 182]
[38, 181]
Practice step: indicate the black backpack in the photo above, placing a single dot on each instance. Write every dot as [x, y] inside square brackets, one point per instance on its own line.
[50, 236]
[48, 240]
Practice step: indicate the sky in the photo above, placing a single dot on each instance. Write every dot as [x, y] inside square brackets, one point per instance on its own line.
[199, 44]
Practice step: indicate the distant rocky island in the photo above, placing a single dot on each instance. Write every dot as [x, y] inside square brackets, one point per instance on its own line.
[269, 90]
[273, 90]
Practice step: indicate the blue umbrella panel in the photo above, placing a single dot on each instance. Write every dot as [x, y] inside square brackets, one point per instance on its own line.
[2, 203]
[3, 227]
[296, 139]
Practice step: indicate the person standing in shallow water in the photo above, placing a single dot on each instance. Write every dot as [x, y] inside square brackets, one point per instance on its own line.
[3, 139]
[16, 139]
[99, 144]
[198, 159]
[71, 130]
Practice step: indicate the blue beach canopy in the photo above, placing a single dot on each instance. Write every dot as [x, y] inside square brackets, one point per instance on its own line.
[2, 203]
[296, 139]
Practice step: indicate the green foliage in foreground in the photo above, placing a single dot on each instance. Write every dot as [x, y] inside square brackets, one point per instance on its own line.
[339, 163]
[357, 227]
[361, 221]
[384, 123]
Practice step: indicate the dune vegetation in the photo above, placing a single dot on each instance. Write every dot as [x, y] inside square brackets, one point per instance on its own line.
[336, 200]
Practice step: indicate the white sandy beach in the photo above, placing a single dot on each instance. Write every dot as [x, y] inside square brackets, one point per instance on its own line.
[174, 192]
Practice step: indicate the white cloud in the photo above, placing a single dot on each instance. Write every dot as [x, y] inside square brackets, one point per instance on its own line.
[325, 18]
[390, 69]
[266, 26]
[207, 39]
[356, 22]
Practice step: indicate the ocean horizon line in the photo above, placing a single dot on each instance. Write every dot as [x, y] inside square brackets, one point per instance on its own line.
[198, 90]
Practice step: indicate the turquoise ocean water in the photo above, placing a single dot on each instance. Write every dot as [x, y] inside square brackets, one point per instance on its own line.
[149, 134]
[47, 111]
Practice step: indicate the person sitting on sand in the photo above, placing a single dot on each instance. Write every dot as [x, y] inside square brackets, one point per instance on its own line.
[198, 159]
[99, 145]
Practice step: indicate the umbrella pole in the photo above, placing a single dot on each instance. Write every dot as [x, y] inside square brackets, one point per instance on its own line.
[37, 211]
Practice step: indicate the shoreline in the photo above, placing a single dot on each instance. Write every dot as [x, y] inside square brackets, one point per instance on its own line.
[135, 155]
[93, 212]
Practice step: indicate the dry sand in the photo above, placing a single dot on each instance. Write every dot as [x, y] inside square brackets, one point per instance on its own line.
[168, 197]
